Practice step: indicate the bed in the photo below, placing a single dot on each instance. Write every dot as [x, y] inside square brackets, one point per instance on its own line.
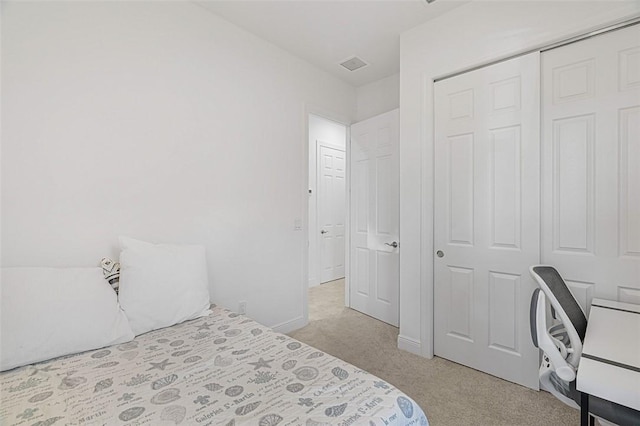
[221, 369]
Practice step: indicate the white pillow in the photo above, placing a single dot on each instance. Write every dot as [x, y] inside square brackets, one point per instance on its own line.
[50, 312]
[162, 284]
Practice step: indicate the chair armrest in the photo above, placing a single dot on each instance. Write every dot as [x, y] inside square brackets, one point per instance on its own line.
[548, 344]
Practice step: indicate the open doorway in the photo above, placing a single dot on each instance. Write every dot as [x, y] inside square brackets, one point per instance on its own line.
[354, 215]
[327, 200]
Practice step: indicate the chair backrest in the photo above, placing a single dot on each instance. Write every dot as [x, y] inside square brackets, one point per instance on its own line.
[561, 298]
[565, 305]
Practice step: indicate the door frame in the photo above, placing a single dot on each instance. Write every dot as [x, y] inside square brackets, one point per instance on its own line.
[426, 266]
[320, 143]
[345, 120]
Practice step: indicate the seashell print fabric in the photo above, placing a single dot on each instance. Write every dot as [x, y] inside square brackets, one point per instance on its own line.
[223, 369]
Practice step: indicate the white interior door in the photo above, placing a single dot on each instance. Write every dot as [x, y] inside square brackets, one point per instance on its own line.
[591, 165]
[331, 212]
[486, 217]
[374, 223]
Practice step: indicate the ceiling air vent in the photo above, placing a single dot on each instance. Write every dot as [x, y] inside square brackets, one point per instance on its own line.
[353, 63]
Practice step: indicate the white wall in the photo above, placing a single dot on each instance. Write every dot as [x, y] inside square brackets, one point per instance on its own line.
[470, 35]
[160, 121]
[335, 134]
[378, 97]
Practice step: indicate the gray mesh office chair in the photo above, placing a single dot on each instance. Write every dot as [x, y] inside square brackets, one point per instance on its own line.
[561, 343]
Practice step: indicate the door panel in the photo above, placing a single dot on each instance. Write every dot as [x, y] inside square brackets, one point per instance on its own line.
[374, 289]
[332, 212]
[506, 197]
[504, 312]
[630, 181]
[573, 186]
[460, 184]
[591, 165]
[486, 217]
[460, 299]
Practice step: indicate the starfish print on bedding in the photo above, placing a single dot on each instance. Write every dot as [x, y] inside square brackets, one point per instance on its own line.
[160, 365]
[45, 369]
[204, 326]
[261, 363]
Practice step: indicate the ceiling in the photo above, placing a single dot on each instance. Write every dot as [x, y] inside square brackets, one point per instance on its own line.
[326, 33]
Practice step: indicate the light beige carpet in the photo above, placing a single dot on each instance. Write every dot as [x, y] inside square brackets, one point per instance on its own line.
[449, 393]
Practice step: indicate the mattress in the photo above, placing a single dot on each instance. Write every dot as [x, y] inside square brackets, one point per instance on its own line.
[223, 369]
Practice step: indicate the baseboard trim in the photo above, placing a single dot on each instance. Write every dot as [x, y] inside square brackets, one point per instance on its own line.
[291, 325]
[410, 345]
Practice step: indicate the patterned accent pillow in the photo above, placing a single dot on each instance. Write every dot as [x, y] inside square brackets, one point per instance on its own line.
[111, 271]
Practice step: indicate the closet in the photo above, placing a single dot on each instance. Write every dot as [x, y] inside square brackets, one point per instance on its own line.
[537, 160]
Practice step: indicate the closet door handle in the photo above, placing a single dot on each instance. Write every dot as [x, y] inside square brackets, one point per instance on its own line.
[393, 244]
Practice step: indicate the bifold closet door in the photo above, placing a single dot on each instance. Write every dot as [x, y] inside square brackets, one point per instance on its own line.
[487, 221]
[591, 165]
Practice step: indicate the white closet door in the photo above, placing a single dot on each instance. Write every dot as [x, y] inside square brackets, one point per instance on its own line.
[487, 217]
[375, 204]
[591, 165]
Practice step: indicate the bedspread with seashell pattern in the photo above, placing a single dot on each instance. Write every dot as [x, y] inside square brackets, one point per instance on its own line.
[222, 369]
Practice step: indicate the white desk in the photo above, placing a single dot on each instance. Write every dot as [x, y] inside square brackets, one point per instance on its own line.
[610, 362]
